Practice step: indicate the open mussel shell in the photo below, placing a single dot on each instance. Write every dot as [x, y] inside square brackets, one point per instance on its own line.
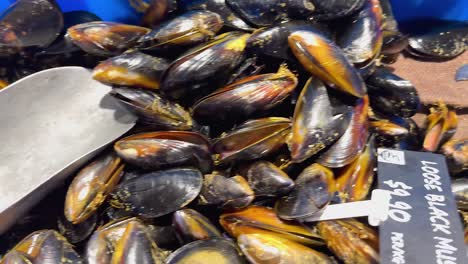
[267, 180]
[154, 150]
[351, 241]
[456, 153]
[328, 10]
[47, 246]
[190, 28]
[314, 188]
[29, 24]
[265, 13]
[445, 44]
[218, 250]
[247, 96]
[314, 124]
[440, 126]
[205, 67]
[217, 6]
[15, 257]
[105, 38]
[263, 220]
[354, 181]
[123, 241]
[152, 109]
[253, 139]
[273, 41]
[265, 249]
[362, 40]
[157, 10]
[324, 59]
[91, 186]
[225, 192]
[391, 95]
[191, 226]
[460, 191]
[346, 149]
[131, 69]
[158, 193]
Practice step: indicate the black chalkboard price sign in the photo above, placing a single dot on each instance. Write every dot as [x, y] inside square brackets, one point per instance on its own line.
[423, 225]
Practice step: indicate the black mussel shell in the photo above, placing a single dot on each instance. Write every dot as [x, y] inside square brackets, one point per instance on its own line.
[265, 13]
[158, 193]
[218, 6]
[456, 153]
[80, 232]
[313, 190]
[152, 109]
[267, 180]
[460, 191]
[190, 28]
[361, 41]
[332, 9]
[131, 69]
[315, 125]
[445, 44]
[156, 150]
[105, 38]
[29, 24]
[273, 41]
[217, 250]
[206, 67]
[391, 95]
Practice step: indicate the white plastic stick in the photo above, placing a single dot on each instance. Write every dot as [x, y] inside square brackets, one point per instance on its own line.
[376, 209]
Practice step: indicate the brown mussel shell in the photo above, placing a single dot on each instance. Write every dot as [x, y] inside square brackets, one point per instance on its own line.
[456, 153]
[190, 28]
[265, 13]
[460, 191]
[225, 192]
[47, 245]
[314, 124]
[446, 44]
[123, 241]
[152, 109]
[351, 241]
[158, 193]
[354, 181]
[314, 188]
[29, 24]
[218, 250]
[205, 67]
[362, 40]
[391, 95]
[267, 180]
[15, 257]
[346, 149]
[91, 186]
[105, 38]
[263, 220]
[388, 133]
[441, 124]
[253, 139]
[247, 96]
[154, 150]
[324, 59]
[131, 69]
[191, 226]
[266, 249]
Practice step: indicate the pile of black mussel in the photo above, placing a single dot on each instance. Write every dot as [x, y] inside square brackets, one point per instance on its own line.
[253, 116]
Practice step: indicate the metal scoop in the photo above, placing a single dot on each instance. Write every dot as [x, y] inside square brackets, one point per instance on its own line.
[51, 123]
